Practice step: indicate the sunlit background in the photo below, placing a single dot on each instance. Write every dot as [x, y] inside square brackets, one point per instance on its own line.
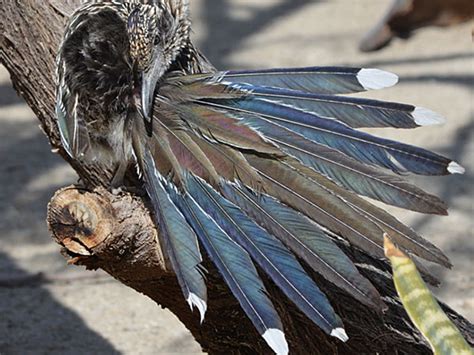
[86, 312]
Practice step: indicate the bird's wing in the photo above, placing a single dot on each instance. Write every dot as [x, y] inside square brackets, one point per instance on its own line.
[72, 128]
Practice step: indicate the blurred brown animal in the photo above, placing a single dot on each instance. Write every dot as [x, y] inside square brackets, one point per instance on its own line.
[405, 16]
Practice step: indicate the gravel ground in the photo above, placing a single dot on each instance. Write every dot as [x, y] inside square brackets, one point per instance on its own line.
[86, 312]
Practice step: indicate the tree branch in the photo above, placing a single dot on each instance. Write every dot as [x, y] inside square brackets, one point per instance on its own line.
[115, 232]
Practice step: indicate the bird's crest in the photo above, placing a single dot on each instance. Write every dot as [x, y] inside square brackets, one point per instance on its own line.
[142, 26]
[152, 23]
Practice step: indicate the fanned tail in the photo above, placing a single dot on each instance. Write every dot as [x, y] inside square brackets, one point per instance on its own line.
[264, 164]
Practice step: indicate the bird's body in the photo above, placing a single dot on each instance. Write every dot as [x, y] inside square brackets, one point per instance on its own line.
[252, 166]
[101, 89]
[99, 98]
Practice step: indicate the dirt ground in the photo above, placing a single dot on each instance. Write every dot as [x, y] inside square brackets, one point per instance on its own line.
[47, 307]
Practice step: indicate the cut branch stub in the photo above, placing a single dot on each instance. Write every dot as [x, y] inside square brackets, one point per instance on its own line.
[80, 220]
[98, 227]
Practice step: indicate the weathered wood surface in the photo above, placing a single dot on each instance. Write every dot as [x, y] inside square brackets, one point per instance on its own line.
[114, 232]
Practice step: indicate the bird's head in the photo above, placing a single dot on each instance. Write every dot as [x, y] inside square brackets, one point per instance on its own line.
[157, 31]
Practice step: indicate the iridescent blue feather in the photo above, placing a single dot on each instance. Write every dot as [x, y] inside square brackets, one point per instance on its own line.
[270, 254]
[362, 146]
[179, 239]
[355, 112]
[307, 240]
[238, 271]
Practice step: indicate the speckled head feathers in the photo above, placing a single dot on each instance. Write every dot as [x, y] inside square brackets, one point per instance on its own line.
[156, 24]
[142, 28]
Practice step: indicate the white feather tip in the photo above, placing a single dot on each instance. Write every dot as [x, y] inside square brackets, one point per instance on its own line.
[425, 117]
[201, 305]
[275, 338]
[340, 333]
[375, 79]
[455, 168]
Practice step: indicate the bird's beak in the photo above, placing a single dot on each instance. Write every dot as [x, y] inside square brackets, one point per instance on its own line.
[149, 83]
[147, 96]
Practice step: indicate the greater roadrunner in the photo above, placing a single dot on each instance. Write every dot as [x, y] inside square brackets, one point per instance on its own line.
[261, 166]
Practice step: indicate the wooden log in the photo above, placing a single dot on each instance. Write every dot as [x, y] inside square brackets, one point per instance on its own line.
[114, 232]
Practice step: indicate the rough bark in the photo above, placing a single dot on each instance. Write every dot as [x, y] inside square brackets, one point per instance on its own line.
[115, 232]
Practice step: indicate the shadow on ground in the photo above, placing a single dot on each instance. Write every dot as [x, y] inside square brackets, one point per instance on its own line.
[35, 322]
[217, 46]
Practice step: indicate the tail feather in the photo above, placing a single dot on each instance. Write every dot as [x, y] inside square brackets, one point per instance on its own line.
[230, 164]
[347, 172]
[269, 253]
[223, 128]
[307, 240]
[295, 190]
[180, 241]
[404, 236]
[190, 156]
[361, 146]
[353, 111]
[238, 271]
[321, 80]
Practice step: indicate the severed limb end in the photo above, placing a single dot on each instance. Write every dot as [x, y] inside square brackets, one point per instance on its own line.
[100, 230]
